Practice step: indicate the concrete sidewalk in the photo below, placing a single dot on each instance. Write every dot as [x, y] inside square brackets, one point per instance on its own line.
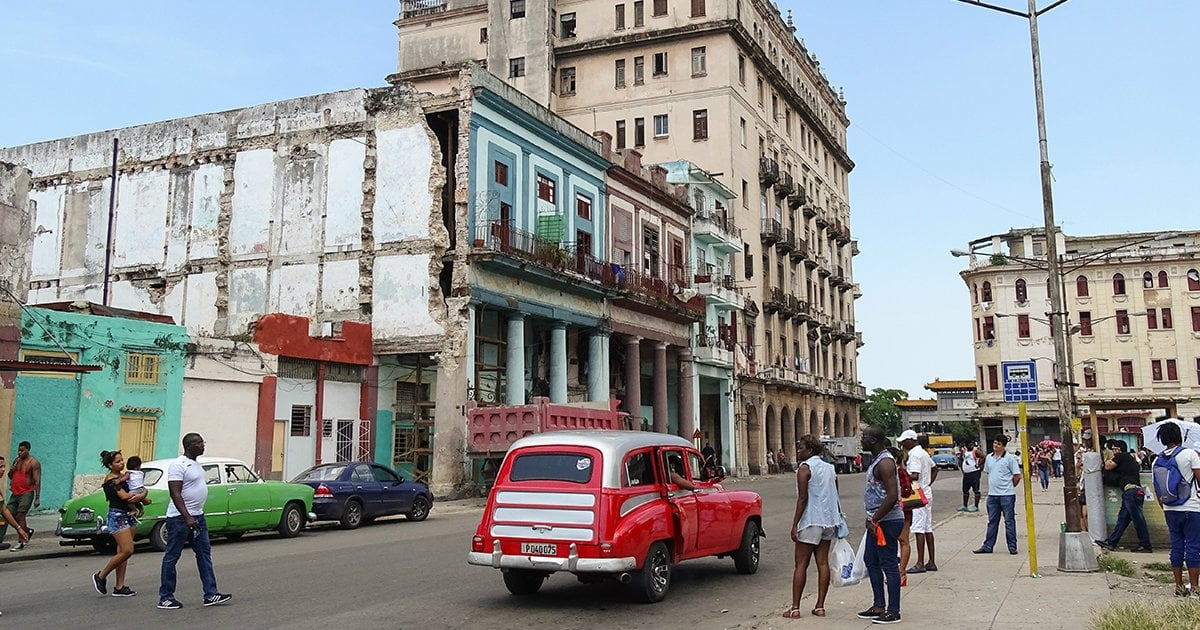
[976, 591]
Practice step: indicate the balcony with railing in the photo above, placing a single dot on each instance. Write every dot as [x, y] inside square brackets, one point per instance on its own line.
[768, 170]
[800, 250]
[715, 228]
[822, 218]
[715, 347]
[785, 186]
[770, 231]
[417, 8]
[803, 311]
[560, 263]
[810, 211]
[786, 242]
[797, 199]
[721, 292]
[775, 301]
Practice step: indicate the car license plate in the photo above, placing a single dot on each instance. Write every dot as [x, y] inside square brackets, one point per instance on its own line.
[539, 549]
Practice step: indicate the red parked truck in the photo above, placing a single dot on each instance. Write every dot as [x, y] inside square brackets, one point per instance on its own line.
[603, 504]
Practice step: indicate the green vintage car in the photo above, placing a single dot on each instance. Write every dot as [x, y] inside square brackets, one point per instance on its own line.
[238, 502]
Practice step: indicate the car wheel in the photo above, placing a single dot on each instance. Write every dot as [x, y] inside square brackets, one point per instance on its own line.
[352, 515]
[521, 582]
[292, 521]
[655, 577]
[104, 544]
[158, 536]
[745, 559]
[420, 509]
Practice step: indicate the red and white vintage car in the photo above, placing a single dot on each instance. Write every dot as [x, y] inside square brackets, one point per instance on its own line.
[604, 504]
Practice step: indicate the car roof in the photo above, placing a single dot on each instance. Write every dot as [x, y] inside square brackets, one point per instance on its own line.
[606, 441]
[162, 464]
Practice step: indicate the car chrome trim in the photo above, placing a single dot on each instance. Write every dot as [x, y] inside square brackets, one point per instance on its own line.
[570, 499]
[544, 515]
[542, 532]
[634, 502]
[572, 562]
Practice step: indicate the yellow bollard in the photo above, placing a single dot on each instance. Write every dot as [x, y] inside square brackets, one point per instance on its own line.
[1027, 482]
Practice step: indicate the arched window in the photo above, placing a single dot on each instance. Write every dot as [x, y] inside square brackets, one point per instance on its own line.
[987, 291]
[1162, 279]
[1081, 286]
[1022, 291]
[975, 293]
[1193, 277]
[1148, 280]
[1118, 284]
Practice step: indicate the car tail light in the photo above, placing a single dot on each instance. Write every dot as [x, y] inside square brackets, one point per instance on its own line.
[477, 544]
[323, 491]
[606, 549]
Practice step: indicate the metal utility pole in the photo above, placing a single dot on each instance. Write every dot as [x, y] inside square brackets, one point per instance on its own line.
[1075, 548]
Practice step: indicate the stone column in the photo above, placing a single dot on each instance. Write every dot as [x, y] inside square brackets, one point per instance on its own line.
[633, 379]
[514, 368]
[598, 366]
[660, 387]
[687, 412]
[558, 363]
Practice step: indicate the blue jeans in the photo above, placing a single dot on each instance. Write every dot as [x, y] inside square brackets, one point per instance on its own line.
[1044, 477]
[1185, 537]
[995, 505]
[177, 533]
[884, 562]
[1131, 510]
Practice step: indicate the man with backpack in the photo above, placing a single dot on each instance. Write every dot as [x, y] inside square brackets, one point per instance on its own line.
[1175, 473]
[1126, 469]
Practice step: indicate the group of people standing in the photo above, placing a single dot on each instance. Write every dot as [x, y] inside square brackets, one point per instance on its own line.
[818, 519]
[126, 494]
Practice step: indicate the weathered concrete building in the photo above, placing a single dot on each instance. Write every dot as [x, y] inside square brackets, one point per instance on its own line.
[728, 84]
[353, 268]
[15, 213]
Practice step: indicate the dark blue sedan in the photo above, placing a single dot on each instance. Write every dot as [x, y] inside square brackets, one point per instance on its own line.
[354, 492]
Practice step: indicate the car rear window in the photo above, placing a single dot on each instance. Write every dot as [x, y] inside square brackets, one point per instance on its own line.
[571, 467]
[324, 473]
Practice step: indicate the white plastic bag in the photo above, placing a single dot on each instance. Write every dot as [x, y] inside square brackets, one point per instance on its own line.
[841, 561]
[859, 572]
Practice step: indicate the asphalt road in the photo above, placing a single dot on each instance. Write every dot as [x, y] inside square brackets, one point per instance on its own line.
[396, 574]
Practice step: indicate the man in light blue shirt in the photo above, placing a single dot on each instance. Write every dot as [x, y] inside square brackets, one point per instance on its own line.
[1004, 473]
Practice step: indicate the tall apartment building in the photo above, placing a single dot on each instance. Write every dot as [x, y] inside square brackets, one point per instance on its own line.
[1133, 307]
[727, 85]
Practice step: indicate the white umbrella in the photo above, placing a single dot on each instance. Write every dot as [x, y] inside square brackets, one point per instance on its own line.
[1189, 430]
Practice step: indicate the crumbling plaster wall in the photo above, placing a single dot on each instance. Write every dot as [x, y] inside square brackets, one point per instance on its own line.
[321, 206]
[15, 211]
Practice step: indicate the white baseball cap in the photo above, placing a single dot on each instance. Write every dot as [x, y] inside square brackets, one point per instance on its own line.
[908, 434]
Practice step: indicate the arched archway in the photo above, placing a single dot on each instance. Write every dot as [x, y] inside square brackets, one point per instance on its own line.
[800, 422]
[752, 438]
[826, 424]
[787, 434]
[814, 426]
[772, 425]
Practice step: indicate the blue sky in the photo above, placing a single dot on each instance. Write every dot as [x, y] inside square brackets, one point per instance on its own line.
[940, 97]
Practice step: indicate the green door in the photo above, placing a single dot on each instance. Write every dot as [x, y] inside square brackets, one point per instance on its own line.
[249, 499]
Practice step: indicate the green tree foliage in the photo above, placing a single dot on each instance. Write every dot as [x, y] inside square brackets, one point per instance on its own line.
[964, 432]
[880, 410]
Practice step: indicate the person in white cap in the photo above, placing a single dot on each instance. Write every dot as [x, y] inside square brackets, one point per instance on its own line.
[922, 471]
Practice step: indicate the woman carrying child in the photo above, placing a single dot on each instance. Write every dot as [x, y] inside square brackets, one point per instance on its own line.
[121, 523]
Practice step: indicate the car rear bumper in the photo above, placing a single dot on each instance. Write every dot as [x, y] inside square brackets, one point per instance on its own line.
[328, 510]
[573, 563]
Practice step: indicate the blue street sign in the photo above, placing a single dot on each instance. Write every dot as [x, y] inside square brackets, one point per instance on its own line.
[1020, 381]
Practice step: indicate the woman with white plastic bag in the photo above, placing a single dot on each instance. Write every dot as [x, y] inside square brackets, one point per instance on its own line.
[816, 523]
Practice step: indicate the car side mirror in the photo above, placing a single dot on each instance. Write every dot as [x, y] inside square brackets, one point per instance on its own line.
[719, 474]
[401, 480]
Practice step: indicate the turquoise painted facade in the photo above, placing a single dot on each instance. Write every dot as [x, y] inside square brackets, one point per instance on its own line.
[69, 418]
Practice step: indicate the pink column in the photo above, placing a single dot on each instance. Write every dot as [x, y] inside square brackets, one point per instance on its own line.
[660, 387]
[633, 380]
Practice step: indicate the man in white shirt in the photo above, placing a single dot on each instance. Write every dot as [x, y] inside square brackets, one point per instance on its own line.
[185, 522]
[923, 473]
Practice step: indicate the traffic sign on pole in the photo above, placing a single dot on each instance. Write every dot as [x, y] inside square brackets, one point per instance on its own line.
[1020, 381]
